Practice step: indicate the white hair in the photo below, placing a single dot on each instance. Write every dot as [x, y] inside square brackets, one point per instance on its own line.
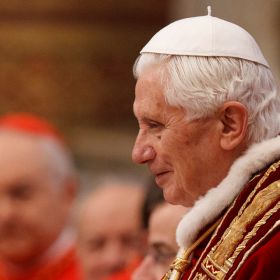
[202, 84]
[59, 159]
[55, 156]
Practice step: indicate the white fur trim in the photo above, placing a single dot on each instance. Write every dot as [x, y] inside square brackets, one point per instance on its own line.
[207, 208]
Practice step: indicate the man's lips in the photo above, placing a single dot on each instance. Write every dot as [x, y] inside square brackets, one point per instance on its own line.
[157, 171]
[160, 177]
[158, 174]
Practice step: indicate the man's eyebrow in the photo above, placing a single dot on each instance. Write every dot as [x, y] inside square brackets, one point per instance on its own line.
[148, 120]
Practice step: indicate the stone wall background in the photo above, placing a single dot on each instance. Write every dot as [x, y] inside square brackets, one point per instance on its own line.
[71, 62]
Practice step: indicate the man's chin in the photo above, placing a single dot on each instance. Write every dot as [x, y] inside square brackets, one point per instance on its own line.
[169, 196]
[176, 199]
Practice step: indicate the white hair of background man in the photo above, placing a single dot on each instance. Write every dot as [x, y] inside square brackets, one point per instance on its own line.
[57, 158]
[202, 84]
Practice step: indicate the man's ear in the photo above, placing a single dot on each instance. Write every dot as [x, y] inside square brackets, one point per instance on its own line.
[234, 118]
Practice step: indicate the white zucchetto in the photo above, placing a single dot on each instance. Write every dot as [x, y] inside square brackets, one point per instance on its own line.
[205, 36]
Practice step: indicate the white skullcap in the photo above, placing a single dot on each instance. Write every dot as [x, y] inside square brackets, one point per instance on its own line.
[205, 36]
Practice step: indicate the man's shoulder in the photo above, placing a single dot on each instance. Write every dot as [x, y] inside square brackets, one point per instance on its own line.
[248, 229]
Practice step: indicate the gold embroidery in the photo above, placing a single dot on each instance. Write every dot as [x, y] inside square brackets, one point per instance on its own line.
[260, 204]
[215, 233]
[240, 247]
[176, 269]
[180, 264]
[271, 169]
[210, 268]
[200, 276]
[277, 224]
[222, 256]
[223, 270]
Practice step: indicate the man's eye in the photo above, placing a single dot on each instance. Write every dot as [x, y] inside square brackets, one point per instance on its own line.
[162, 256]
[154, 124]
[21, 192]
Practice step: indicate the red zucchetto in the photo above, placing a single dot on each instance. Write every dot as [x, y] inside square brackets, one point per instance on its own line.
[30, 123]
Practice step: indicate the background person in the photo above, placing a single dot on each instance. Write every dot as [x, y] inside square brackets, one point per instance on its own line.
[209, 114]
[37, 189]
[163, 219]
[110, 234]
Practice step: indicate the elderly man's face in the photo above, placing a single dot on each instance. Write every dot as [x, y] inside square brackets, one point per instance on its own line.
[33, 209]
[181, 155]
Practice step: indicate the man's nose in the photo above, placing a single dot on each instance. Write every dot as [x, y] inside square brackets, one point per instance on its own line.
[114, 259]
[142, 152]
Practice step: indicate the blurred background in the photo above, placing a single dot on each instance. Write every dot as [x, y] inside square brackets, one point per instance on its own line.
[70, 61]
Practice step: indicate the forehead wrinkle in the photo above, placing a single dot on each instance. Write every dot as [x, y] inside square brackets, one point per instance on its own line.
[146, 113]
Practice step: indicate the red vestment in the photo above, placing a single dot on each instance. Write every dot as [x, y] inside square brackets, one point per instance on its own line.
[64, 268]
[246, 244]
[245, 209]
